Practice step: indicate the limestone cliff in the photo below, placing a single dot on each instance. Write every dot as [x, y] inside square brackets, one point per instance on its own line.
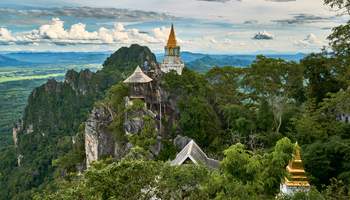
[56, 110]
[98, 140]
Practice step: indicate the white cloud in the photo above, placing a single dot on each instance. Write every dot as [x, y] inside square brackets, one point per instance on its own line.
[311, 40]
[263, 36]
[54, 32]
[161, 33]
[6, 36]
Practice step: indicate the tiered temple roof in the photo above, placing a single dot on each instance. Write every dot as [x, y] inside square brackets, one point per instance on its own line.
[296, 171]
[138, 77]
[192, 152]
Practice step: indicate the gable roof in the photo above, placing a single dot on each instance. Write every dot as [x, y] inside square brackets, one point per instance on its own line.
[194, 153]
[138, 77]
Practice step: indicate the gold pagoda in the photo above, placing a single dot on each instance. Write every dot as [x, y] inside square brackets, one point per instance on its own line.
[297, 180]
[172, 60]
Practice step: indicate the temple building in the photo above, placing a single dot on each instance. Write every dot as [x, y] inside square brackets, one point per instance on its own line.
[172, 59]
[297, 180]
[192, 153]
[139, 82]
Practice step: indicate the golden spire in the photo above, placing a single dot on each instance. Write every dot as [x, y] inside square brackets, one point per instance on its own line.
[296, 170]
[172, 38]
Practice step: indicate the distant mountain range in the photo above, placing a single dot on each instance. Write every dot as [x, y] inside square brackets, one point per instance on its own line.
[196, 61]
[31, 58]
[6, 61]
[203, 62]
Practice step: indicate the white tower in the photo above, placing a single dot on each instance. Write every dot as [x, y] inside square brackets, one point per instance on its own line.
[172, 59]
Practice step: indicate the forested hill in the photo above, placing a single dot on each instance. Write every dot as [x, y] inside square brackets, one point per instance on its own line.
[52, 118]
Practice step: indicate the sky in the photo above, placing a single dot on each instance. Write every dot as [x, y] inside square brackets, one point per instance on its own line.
[206, 26]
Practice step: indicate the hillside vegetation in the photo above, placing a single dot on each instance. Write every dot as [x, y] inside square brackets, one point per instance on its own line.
[248, 118]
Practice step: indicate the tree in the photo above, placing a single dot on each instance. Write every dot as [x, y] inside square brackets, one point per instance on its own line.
[181, 182]
[339, 4]
[321, 74]
[277, 82]
[199, 121]
[339, 41]
[275, 163]
[225, 83]
[147, 136]
[242, 164]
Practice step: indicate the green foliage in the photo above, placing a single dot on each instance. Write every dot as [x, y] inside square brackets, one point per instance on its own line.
[313, 194]
[275, 163]
[199, 121]
[321, 73]
[137, 105]
[225, 84]
[147, 136]
[243, 175]
[241, 163]
[76, 156]
[189, 83]
[337, 190]
[280, 78]
[168, 151]
[181, 182]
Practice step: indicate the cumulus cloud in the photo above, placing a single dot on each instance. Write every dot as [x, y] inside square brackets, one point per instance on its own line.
[263, 36]
[55, 32]
[6, 36]
[310, 40]
[161, 33]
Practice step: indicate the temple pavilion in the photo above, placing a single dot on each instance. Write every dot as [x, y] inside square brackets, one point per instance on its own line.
[139, 82]
[192, 153]
[172, 59]
[297, 180]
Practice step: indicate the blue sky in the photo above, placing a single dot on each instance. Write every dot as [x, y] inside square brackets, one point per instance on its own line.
[211, 26]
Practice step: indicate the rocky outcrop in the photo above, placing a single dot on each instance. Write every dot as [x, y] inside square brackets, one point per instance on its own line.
[16, 130]
[80, 82]
[19, 160]
[181, 141]
[99, 141]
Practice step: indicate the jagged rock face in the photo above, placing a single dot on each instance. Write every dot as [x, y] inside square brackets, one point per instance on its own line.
[157, 147]
[98, 141]
[54, 107]
[80, 82]
[121, 149]
[133, 125]
[52, 86]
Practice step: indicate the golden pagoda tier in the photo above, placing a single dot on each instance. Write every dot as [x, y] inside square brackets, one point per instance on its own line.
[172, 38]
[297, 180]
